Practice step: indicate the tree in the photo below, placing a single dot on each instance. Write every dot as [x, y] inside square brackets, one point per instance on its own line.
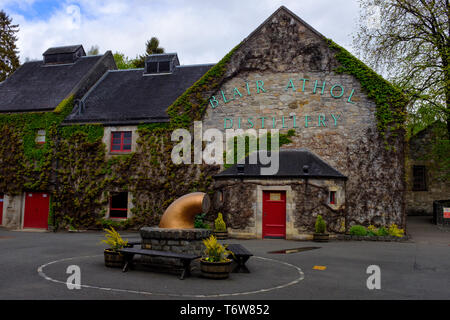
[93, 51]
[410, 42]
[9, 59]
[123, 62]
[151, 47]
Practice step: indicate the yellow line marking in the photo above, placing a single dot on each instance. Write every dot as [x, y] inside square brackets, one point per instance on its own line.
[319, 268]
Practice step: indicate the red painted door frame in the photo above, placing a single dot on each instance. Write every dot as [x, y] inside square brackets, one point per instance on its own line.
[274, 214]
[36, 210]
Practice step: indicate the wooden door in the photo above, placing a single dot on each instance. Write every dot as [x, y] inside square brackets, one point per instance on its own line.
[36, 210]
[274, 214]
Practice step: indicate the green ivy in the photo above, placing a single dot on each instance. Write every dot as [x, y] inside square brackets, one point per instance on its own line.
[192, 104]
[390, 101]
[94, 131]
[283, 138]
[28, 162]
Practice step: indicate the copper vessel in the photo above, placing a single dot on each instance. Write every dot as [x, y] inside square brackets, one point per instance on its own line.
[181, 213]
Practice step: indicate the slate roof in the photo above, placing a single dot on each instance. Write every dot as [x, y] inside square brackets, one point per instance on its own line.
[132, 97]
[65, 49]
[291, 165]
[38, 87]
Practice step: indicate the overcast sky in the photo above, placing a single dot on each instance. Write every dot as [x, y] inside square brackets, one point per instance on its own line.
[200, 31]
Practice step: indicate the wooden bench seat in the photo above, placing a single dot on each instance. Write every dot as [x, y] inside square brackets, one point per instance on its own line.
[241, 255]
[185, 258]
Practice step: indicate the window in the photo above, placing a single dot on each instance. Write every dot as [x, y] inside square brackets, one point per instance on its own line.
[118, 205]
[164, 66]
[121, 141]
[332, 197]
[152, 67]
[40, 136]
[419, 178]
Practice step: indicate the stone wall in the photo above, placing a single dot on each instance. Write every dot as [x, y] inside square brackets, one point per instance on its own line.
[12, 211]
[421, 202]
[242, 205]
[189, 241]
[284, 49]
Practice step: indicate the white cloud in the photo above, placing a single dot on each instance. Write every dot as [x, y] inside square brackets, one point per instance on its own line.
[200, 31]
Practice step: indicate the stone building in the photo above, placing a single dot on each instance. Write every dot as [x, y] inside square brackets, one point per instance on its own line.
[287, 75]
[281, 204]
[37, 89]
[343, 159]
[124, 99]
[426, 180]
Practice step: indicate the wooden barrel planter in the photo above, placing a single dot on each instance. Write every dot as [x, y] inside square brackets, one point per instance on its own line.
[321, 237]
[215, 270]
[113, 259]
[221, 235]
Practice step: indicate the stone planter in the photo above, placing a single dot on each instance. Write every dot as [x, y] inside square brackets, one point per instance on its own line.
[221, 235]
[321, 237]
[215, 270]
[113, 259]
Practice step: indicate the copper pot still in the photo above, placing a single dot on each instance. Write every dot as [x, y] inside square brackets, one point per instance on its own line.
[181, 213]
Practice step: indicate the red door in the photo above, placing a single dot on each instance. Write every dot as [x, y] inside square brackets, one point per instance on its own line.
[274, 214]
[36, 210]
[1, 208]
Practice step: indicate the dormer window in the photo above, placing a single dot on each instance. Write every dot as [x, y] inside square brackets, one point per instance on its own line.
[152, 67]
[164, 66]
[63, 55]
[161, 63]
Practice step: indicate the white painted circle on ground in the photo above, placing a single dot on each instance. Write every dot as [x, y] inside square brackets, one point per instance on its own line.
[300, 277]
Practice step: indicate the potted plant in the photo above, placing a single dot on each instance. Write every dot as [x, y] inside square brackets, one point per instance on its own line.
[113, 258]
[215, 264]
[321, 227]
[220, 228]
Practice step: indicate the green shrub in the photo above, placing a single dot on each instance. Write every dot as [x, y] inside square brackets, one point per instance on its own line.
[372, 231]
[199, 222]
[382, 232]
[219, 224]
[358, 231]
[320, 226]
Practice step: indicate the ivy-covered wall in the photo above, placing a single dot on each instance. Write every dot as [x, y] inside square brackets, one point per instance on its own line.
[86, 178]
[25, 164]
[74, 167]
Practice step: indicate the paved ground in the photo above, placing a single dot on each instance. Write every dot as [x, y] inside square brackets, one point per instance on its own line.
[418, 269]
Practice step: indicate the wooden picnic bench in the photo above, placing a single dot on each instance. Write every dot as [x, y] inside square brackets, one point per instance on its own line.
[185, 258]
[241, 255]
